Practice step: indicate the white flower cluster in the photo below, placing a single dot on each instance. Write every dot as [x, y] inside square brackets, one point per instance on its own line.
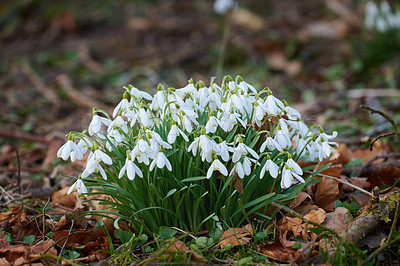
[200, 118]
[382, 19]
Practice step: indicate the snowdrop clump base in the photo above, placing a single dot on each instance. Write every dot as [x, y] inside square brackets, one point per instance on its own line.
[196, 157]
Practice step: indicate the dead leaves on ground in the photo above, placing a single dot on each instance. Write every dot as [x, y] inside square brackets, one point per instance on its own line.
[72, 232]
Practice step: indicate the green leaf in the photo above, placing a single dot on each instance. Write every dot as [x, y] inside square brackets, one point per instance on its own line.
[201, 241]
[28, 239]
[297, 245]
[195, 178]
[167, 233]
[172, 191]
[245, 260]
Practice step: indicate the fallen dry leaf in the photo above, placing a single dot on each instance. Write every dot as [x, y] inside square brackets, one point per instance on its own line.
[338, 220]
[247, 19]
[180, 247]
[278, 61]
[236, 236]
[14, 217]
[342, 155]
[366, 154]
[61, 198]
[300, 199]
[316, 216]
[278, 251]
[18, 254]
[327, 191]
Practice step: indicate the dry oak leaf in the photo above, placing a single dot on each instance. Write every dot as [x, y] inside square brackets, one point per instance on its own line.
[18, 254]
[327, 191]
[278, 251]
[180, 247]
[338, 220]
[15, 216]
[236, 236]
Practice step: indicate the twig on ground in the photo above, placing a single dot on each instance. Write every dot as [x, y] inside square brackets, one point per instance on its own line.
[344, 182]
[381, 136]
[69, 234]
[384, 115]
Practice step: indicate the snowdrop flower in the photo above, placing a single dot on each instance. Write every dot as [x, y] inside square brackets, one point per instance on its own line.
[301, 144]
[208, 148]
[259, 113]
[70, 149]
[271, 144]
[93, 164]
[222, 6]
[233, 120]
[212, 124]
[114, 129]
[270, 167]
[282, 138]
[161, 161]
[83, 146]
[290, 170]
[194, 145]
[79, 186]
[245, 86]
[315, 151]
[139, 94]
[223, 151]
[145, 117]
[175, 132]
[217, 165]
[159, 99]
[273, 104]
[242, 150]
[238, 168]
[96, 123]
[130, 168]
[123, 106]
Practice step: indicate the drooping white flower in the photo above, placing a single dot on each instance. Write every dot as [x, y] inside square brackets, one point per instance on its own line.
[315, 151]
[194, 145]
[282, 138]
[161, 161]
[217, 166]
[83, 146]
[223, 151]
[212, 125]
[233, 120]
[175, 132]
[96, 123]
[271, 144]
[122, 106]
[70, 149]
[270, 167]
[245, 86]
[273, 105]
[145, 118]
[242, 150]
[158, 100]
[238, 168]
[140, 94]
[222, 6]
[130, 168]
[114, 129]
[290, 171]
[79, 186]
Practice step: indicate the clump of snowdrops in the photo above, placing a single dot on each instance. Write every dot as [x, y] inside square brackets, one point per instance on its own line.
[197, 157]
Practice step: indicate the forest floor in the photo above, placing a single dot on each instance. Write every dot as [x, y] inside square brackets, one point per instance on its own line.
[59, 60]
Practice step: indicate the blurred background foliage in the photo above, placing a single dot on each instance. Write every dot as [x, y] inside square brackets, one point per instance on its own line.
[59, 58]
